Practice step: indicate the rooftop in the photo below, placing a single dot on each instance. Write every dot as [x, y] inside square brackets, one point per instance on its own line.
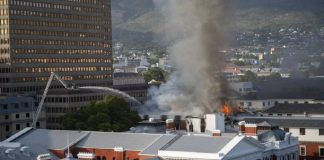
[302, 122]
[288, 89]
[204, 144]
[297, 109]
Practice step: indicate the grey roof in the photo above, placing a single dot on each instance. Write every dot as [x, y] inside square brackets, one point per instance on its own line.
[40, 140]
[158, 144]
[204, 144]
[300, 122]
[55, 139]
[129, 141]
[288, 89]
[297, 108]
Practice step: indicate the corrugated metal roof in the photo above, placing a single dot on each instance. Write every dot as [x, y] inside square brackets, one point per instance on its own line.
[158, 144]
[297, 108]
[129, 141]
[49, 139]
[204, 144]
[304, 122]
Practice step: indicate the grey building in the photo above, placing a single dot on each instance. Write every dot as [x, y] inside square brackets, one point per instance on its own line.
[16, 113]
[69, 37]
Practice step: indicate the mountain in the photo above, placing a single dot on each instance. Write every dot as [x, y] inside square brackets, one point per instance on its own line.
[137, 22]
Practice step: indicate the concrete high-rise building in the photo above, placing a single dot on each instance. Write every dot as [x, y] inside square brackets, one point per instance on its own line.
[69, 37]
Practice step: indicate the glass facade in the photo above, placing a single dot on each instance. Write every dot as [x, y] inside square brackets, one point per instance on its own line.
[69, 37]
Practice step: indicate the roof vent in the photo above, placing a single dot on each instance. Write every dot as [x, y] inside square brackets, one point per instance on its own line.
[10, 153]
[25, 151]
[151, 120]
[46, 156]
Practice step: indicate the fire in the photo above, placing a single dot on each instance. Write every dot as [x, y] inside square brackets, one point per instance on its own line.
[226, 109]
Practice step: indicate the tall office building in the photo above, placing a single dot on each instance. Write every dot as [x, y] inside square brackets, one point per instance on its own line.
[69, 37]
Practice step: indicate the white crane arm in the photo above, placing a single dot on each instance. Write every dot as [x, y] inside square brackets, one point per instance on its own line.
[40, 105]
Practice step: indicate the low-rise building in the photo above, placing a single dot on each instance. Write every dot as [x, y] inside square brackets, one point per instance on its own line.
[285, 91]
[309, 130]
[131, 83]
[296, 110]
[89, 145]
[16, 113]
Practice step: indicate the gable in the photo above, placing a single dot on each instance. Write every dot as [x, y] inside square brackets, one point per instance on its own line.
[244, 150]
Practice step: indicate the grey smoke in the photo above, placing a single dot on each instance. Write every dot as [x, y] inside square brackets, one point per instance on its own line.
[196, 29]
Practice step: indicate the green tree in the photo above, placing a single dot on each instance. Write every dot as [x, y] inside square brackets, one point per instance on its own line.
[155, 73]
[111, 114]
[275, 76]
[249, 76]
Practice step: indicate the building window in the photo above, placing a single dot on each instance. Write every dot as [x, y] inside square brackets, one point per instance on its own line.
[321, 132]
[5, 106]
[289, 115]
[27, 115]
[17, 127]
[27, 125]
[17, 116]
[302, 131]
[6, 117]
[321, 151]
[302, 150]
[279, 114]
[7, 128]
[286, 129]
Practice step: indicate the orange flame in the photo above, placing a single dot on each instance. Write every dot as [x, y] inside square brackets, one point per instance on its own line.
[226, 109]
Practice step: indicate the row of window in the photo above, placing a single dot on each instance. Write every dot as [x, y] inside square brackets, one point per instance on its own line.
[60, 110]
[73, 99]
[58, 42]
[4, 51]
[14, 105]
[303, 151]
[3, 2]
[4, 60]
[66, 78]
[61, 69]
[53, 6]
[61, 60]
[4, 41]
[4, 12]
[55, 33]
[4, 31]
[58, 25]
[302, 131]
[60, 51]
[18, 126]
[4, 21]
[27, 115]
[33, 88]
[56, 15]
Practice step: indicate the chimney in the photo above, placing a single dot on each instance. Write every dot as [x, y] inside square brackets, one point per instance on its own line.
[251, 129]
[216, 133]
[169, 124]
[241, 126]
[194, 124]
[215, 122]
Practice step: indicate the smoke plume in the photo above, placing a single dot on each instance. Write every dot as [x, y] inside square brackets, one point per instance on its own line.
[195, 29]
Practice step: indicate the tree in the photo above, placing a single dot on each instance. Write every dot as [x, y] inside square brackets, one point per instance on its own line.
[111, 114]
[155, 73]
[249, 76]
[275, 76]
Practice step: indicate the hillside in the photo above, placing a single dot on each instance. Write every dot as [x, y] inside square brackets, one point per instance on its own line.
[138, 20]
